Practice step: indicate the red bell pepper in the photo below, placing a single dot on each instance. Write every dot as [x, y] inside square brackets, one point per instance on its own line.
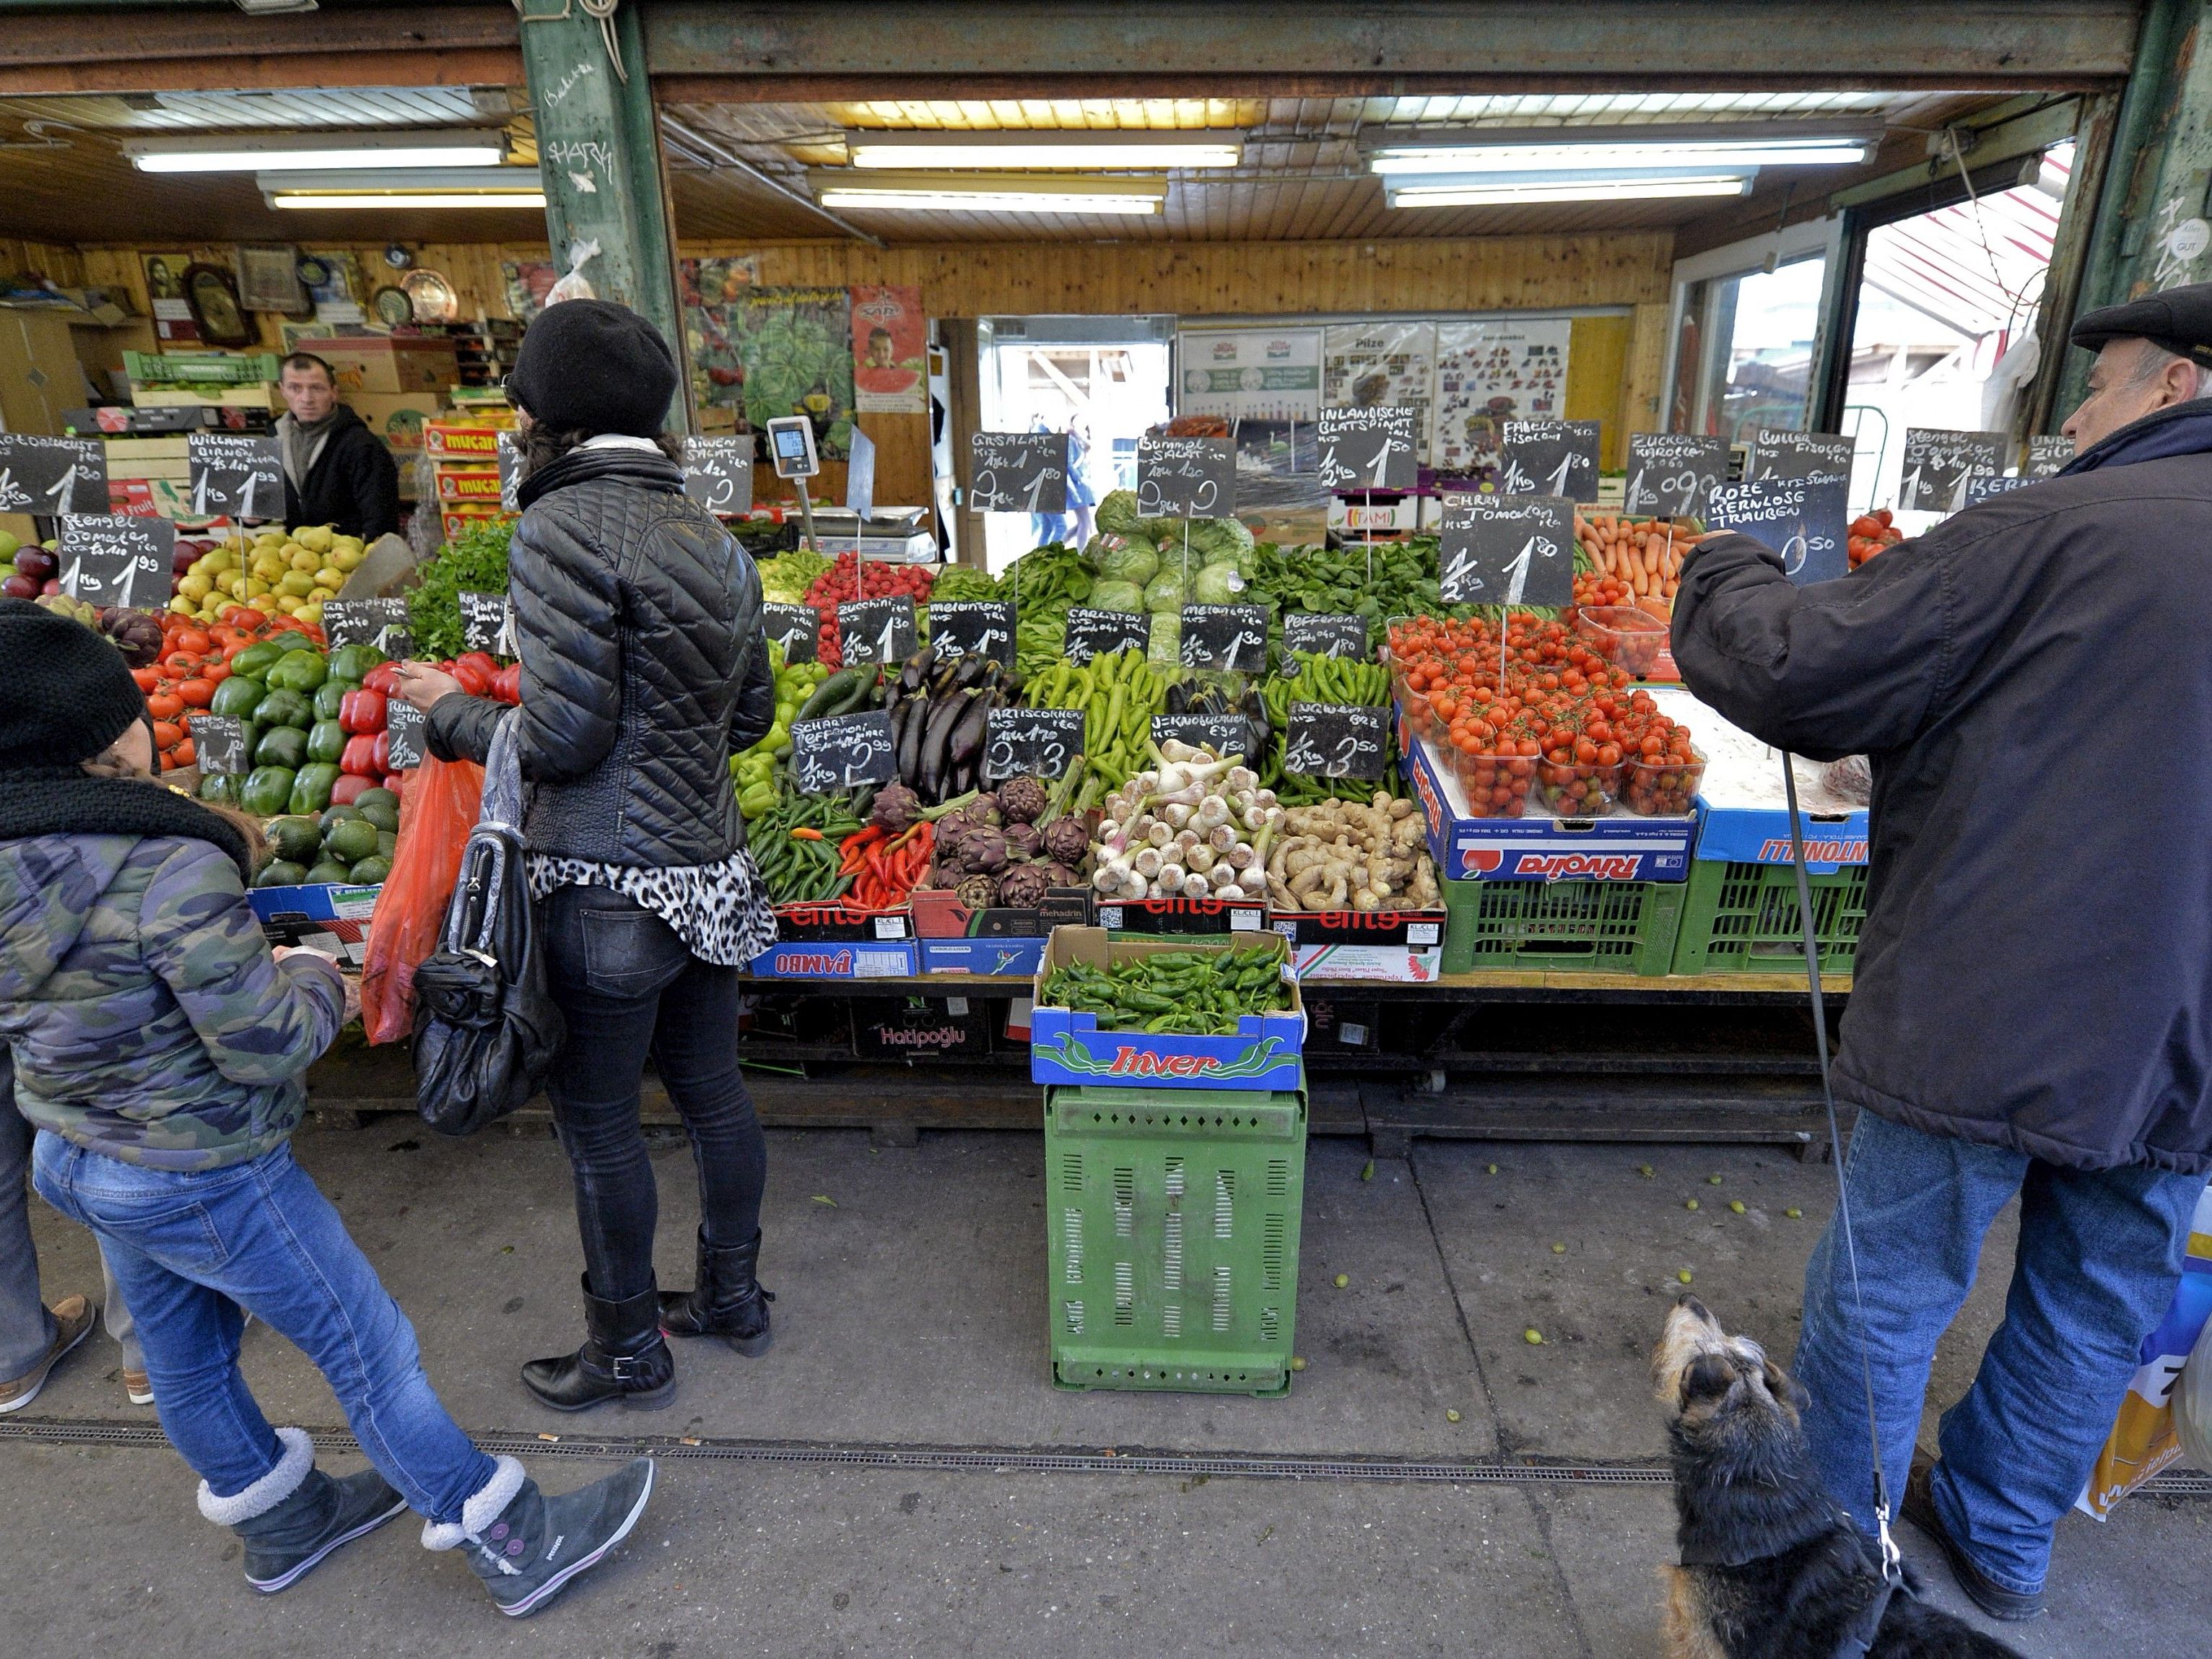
[507, 684]
[359, 756]
[475, 669]
[349, 788]
[380, 751]
[361, 711]
[383, 679]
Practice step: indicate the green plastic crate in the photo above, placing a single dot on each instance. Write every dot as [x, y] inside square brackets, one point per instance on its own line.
[199, 368]
[1172, 1234]
[1571, 927]
[1742, 919]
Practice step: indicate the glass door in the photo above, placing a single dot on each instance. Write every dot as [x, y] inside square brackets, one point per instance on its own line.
[1746, 325]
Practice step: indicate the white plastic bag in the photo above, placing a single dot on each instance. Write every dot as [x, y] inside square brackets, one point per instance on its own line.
[576, 285]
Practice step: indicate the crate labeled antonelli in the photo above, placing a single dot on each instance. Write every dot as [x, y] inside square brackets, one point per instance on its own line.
[1172, 1227]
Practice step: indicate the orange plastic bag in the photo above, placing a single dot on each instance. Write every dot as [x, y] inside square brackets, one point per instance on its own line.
[436, 813]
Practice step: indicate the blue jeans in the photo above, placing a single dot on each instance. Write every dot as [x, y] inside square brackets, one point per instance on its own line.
[2099, 1256]
[189, 1250]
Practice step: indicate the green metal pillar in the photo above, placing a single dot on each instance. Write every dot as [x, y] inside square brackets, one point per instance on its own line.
[599, 154]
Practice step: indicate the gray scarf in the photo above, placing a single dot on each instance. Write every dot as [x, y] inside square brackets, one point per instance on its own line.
[302, 442]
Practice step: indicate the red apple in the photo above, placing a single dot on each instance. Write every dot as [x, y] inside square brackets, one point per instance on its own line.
[20, 587]
[36, 563]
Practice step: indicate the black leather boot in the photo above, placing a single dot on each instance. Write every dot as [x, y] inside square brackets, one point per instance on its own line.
[727, 1301]
[623, 1358]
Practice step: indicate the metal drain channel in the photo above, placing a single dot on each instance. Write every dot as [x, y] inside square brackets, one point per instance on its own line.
[996, 1459]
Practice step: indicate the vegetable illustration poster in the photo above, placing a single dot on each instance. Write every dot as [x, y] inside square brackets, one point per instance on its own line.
[770, 352]
[1379, 364]
[890, 346]
[1488, 374]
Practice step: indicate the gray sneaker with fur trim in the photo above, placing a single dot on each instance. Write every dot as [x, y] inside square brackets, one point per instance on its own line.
[527, 1546]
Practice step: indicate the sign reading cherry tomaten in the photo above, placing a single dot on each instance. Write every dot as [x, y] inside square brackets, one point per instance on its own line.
[1507, 550]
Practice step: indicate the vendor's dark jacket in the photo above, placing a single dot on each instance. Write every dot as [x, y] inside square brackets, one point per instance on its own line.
[644, 665]
[2033, 681]
[353, 484]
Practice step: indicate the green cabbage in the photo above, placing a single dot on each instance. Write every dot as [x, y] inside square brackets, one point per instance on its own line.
[1126, 561]
[1165, 590]
[1215, 539]
[1118, 596]
[1117, 513]
[1217, 584]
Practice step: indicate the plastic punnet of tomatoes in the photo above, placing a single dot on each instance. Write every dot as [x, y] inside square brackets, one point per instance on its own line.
[1624, 635]
[1663, 768]
[1572, 780]
[1497, 776]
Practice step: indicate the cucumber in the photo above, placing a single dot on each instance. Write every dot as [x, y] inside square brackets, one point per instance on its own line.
[833, 691]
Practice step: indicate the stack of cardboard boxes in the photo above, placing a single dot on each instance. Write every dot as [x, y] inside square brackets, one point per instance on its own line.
[173, 395]
[466, 470]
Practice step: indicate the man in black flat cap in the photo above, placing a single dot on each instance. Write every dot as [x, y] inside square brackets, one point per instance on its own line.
[2031, 1009]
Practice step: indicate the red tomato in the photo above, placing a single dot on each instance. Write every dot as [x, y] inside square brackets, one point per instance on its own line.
[165, 706]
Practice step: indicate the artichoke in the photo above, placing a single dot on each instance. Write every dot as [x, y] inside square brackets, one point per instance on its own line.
[1067, 840]
[984, 811]
[135, 634]
[977, 892]
[984, 850]
[1021, 801]
[1023, 841]
[1023, 885]
[894, 808]
[1058, 875]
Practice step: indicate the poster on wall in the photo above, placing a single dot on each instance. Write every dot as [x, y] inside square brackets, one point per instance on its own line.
[1384, 362]
[528, 283]
[1491, 371]
[718, 281]
[335, 285]
[891, 350]
[173, 322]
[1249, 373]
[772, 351]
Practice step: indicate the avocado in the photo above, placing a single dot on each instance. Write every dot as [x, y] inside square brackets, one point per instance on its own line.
[282, 873]
[294, 839]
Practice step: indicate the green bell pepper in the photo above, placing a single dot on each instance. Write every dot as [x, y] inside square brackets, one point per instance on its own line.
[311, 790]
[267, 791]
[298, 670]
[353, 662]
[327, 740]
[283, 707]
[219, 789]
[281, 745]
[330, 697]
[238, 696]
[256, 660]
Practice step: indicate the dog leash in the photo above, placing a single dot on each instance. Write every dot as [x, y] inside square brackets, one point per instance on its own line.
[1860, 1636]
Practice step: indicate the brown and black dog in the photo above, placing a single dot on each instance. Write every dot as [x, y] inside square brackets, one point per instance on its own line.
[1771, 1565]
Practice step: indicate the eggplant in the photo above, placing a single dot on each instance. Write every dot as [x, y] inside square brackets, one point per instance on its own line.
[968, 731]
[916, 716]
[914, 672]
[936, 746]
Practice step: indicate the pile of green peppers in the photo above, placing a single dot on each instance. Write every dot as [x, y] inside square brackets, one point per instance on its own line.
[1181, 993]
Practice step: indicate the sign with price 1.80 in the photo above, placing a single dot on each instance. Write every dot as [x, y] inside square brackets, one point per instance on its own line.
[843, 752]
[1336, 740]
[115, 559]
[1041, 741]
[1019, 472]
[51, 477]
[1226, 636]
[236, 475]
[972, 627]
[1549, 458]
[1187, 477]
[796, 628]
[1368, 449]
[1507, 550]
[1673, 473]
[875, 630]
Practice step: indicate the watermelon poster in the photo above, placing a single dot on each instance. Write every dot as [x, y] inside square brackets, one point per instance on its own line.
[890, 344]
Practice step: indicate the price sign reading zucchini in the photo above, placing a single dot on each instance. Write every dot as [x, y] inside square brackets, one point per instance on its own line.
[875, 630]
[118, 559]
[53, 475]
[1673, 473]
[219, 745]
[796, 628]
[1186, 478]
[1227, 636]
[1800, 518]
[1225, 734]
[1778, 453]
[1042, 742]
[1938, 463]
[235, 475]
[1101, 633]
[972, 627]
[1019, 472]
[1324, 634]
[843, 752]
[405, 743]
[1507, 550]
[1549, 458]
[379, 622]
[2046, 455]
[487, 624]
[1336, 740]
[1368, 449]
[718, 474]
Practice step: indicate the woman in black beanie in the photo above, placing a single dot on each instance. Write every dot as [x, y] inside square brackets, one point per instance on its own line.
[644, 669]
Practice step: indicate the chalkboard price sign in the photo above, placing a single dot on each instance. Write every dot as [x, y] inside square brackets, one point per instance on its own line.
[875, 630]
[1368, 449]
[118, 559]
[379, 622]
[1777, 452]
[843, 752]
[1186, 478]
[1336, 740]
[1800, 518]
[1507, 550]
[1549, 458]
[1984, 485]
[1938, 463]
[219, 745]
[1325, 634]
[510, 472]
[1042, 742]
[53, 475]
[1673, 473]
[718, 474]
[487, 624]
[405, 743]
[2046, 455]
[972, 627]
[235, 475]
[1101, 633]
[1019, 472]
[1225, 734]
[796, 628]
[1229, 636]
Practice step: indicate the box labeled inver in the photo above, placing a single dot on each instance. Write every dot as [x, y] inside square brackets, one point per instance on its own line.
[1067, 1046]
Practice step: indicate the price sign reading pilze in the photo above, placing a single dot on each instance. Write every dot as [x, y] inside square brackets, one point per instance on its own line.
[843, 752]
[113, 559]
[972, 627]
[1673, 473]
[53, 475]
[1549, 458]
[796, 628]
[1324, 634]
[1229, 637]
[2046, 455]
[718, 474]
[1101, 633]
[219, 745]
[875, 630]
[1336, 740]
[235, 476]
[1186, 478]
[1800, 518]
[1507, 550]
[1368, 449]
[379, 622]
[1777, 452]
[1042, 742]
[1225, 734]
[1019, 472]
[487, 624]
[406, 744]
[1938, 463]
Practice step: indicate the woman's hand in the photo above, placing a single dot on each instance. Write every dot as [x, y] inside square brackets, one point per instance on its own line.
[419, 684]
[350, 981]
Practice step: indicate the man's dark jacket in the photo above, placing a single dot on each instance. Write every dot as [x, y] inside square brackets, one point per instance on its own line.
[2032, 680]
[353, 484]
[644, 665]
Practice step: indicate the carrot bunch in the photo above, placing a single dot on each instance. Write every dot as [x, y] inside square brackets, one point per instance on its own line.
[883, 866]
[1642, 558]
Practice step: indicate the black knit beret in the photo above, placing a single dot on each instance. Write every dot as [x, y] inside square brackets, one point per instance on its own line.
[70, 693]
[591, 366]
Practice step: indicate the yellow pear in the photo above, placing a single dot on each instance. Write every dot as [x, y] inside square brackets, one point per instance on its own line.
[289, 604]
[222, 558]
[348, 558]
[297, 583]
[194, 587]
[317, 538]
[333, 579]
[317, 595]
[300, 559]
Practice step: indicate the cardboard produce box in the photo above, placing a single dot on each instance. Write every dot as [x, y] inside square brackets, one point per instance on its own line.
[1397, 947]
[398, 418]
[1619, 847]
[389, 363]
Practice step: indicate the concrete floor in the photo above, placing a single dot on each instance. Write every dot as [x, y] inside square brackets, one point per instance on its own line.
[912, 1312]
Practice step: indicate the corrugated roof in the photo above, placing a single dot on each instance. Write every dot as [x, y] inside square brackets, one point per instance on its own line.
[1977, 268]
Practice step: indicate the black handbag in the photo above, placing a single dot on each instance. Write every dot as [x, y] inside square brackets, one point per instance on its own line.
[485, 1030]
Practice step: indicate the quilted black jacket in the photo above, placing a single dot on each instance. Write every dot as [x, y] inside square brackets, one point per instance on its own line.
[644, 666]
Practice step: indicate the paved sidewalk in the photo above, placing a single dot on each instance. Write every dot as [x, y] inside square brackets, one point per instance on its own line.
[911, 1313]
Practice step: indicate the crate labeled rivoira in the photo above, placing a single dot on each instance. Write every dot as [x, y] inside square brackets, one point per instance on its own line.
[1172, 1237]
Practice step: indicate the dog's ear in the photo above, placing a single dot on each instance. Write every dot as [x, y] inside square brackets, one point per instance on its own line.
[1783, 1386]
[1708, 1376]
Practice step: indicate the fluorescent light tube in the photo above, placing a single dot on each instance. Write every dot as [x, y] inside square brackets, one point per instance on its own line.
[392, 199]
[312, 152]
[1616, 153]
[931, 151]
[985, 201]
[1475, 193]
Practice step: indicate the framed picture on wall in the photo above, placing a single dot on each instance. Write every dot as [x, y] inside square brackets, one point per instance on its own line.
[269, 279]
[212, 293]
